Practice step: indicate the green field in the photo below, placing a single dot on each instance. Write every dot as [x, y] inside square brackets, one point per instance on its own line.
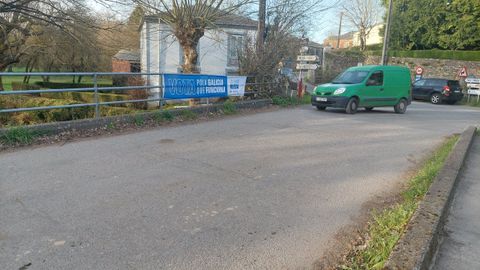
[7, 80]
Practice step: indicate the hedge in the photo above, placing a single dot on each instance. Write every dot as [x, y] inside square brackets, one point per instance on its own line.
[433, 54]
[53, 115]
[24, 86]
[62, 85]
[87, 97]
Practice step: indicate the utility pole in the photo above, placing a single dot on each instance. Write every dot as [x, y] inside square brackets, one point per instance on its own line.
[339, 30]
[262, 10]
[386, 38]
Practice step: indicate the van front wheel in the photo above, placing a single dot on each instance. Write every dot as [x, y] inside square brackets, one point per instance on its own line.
[352, 106]
[401, 106]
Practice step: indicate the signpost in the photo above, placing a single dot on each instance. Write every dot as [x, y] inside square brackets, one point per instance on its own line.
[418, 73]
[473, 85]
[308, 58]
[304, 65]
[463, 72]
[307, 66]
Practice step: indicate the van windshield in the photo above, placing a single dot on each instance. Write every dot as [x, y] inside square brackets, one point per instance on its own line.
[351, 77]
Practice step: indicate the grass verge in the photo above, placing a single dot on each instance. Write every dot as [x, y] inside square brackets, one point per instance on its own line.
[229, 107]
[283, 101]
[388, 226]
[18, 135]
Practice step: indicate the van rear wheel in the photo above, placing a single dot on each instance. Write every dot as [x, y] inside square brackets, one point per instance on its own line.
[401, 107]
[352, 106]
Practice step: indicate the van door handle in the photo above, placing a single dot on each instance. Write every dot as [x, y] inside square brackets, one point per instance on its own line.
[381, 89]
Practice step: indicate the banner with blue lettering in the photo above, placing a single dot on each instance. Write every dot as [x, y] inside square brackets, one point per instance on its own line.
[236, 86]
[185, 86]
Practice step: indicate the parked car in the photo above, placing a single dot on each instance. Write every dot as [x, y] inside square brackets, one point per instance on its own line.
[437, 90]
[368, 87]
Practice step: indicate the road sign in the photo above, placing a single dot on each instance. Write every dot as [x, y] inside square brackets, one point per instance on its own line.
[473, 92]
[307, 66]
[419, 70]
[463, 72]
[308, 58]
[472, 80]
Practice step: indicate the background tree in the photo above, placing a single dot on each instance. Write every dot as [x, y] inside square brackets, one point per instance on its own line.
[287, 22]
[22, 20]
[462, 25]
[363, 15]
[422, 25]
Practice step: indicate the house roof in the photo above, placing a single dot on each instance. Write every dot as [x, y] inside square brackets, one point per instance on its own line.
[237, 20]
[126, 55]
[348, 35]
[314, 44]
[227, 21]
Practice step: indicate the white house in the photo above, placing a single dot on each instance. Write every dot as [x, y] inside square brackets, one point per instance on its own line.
[218, 48]
[373, 37]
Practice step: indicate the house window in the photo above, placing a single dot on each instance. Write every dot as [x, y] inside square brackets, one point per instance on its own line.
[235, 45]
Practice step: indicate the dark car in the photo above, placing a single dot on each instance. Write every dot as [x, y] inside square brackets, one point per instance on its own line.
[437, 90]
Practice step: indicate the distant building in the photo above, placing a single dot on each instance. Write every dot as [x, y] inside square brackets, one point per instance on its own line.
[373, 38]
[126, 61]
[346, 41]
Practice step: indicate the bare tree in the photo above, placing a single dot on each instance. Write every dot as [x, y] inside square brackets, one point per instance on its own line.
[189, 19]
[364, 15]
[287, 20]
[22, 22]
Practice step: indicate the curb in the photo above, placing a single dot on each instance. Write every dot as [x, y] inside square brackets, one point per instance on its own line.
[88, 124]
[417, 247]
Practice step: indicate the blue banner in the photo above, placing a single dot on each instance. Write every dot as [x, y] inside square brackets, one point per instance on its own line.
[185, 86]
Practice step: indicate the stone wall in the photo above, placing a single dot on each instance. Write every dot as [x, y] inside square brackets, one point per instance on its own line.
[432, 67]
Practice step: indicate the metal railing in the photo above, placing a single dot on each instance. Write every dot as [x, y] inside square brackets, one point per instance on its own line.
[96, 89]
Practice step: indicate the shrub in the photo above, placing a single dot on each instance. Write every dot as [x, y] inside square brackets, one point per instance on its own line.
[16, 86]
[52, 115]
[139, 120]
[62, 85]
[229, 107]
[18, 135]
[188, 115]
[290, 101]
[137, 93]
[87, 97]
[24, 86]
[167, 115]
[434, 54]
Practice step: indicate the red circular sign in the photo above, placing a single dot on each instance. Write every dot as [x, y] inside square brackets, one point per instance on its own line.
[419, 70]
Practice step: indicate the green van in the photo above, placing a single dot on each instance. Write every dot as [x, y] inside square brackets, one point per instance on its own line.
[368, 87]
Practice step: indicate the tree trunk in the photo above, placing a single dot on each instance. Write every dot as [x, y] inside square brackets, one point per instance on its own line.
[261, 25]
[190, 56]
[2, 69]
[363, 39]
[27, 67]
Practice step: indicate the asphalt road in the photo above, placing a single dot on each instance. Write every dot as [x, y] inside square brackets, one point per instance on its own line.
[265, 191]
